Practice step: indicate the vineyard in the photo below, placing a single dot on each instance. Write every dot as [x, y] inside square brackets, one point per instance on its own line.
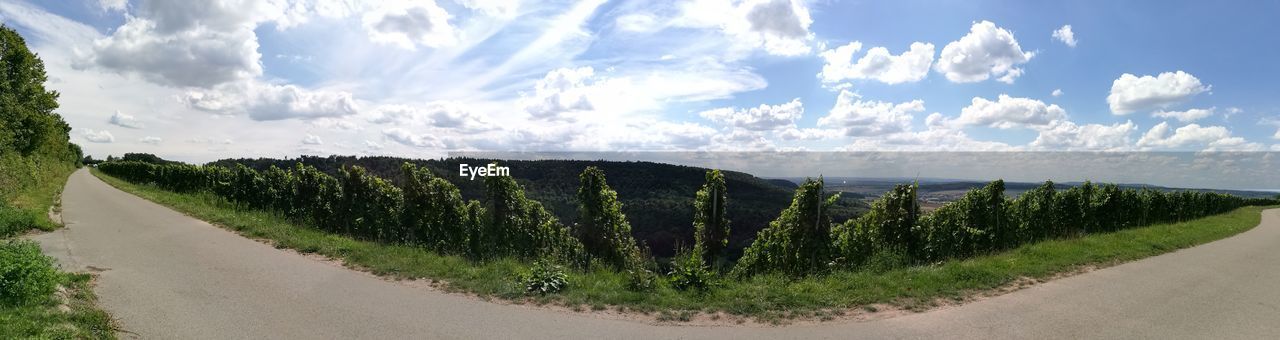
[428, 211]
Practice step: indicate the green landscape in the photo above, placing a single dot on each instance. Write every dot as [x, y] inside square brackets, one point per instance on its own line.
[806, 263]
[37, 300]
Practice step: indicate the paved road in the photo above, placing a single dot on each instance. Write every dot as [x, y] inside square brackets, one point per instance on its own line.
[168, 276]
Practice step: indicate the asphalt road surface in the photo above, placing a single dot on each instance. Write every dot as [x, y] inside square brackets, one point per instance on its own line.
[164, 275]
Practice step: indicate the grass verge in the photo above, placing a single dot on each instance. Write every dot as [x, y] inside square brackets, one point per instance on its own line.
[765, 298]
[70, 312]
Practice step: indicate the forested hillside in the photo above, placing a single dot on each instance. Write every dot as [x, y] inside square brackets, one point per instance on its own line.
[657, 198]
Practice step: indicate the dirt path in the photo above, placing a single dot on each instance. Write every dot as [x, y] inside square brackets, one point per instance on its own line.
[168, 276]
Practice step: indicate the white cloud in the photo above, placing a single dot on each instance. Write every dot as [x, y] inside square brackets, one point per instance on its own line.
[499, 8]
[1191, 135]
[402, 136]
[97, 136]
[794, 133]
[124, 120]
[1190, 115]
[561, 90]
[1009, 112]
[638, 22]
[371, 145]
[869, 118]
[987, 51]
[761, 118]
[272, 102]
[443, 114]
[196, 57]
[1065, 35]
[151, 140]
[1056, 93]
[408, 24]
[910, 66]
[311, 139]
[113, 5]
[1131, 93]
[1067, 135]
[1277, 135]
[779, 27]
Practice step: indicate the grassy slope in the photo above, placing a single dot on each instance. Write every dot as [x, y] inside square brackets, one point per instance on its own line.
[763, 297]
[32, 186]
[45, 320]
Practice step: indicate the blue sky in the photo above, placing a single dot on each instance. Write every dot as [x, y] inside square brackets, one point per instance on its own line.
[229, 78]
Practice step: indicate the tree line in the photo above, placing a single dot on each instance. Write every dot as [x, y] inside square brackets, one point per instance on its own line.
[428, 211]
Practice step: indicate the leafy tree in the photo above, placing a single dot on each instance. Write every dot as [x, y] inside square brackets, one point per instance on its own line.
[799, 241]
[602, 227]
[27, 120]
[371, 205]
[710, 223]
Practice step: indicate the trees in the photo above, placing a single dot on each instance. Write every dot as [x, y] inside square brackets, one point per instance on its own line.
[710, 222]
[27, 120]
[602, 228]
[798, 242]
[521, 227]
[435, 214]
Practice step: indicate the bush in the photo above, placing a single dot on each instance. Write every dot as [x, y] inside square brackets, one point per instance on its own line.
[26, 275]
[641, 279]
[544, 278]
[799, 241]
[602, 227]
[688, 272]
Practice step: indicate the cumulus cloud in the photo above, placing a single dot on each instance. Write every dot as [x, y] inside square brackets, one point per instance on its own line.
[265, 102]
[1164, 136]
[408, 24]
[561, 90]
[761, 118]
[113, 5]
[1185, 116]
[1131, 93]
[869, 118]
[199, 56]
[987, 51]
[1056, 93]
[779, 27]
[97, 136]
[405, 137]
[124, 120]
[1009, 112]
[150, 140]
[1065, 35]
[1066, 135]
[443, 114]
[311, 139]
[910, 66]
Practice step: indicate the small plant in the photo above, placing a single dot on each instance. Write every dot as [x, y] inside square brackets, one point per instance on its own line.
[25, 273]
[544, 278]
[640, 279]
[688, 272]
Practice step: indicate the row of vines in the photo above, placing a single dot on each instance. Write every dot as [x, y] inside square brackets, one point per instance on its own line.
[428, 211]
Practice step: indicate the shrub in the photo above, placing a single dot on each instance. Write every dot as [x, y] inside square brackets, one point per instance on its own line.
[603, 228]
[710, 224]
[688, 272]
[544, 278]
[26, 275]
[799, 241]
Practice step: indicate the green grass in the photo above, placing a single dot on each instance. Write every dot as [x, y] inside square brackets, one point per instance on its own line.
[768, 297]
[77, 318]
[30, 188]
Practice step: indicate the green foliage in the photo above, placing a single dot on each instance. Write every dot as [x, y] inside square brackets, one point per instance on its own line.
[26, 275]
[689, 272]
[710, 222]
[799, 241]
[521, 227]
[435, 214]
[27, 121]
[544, 278]
[371, 207]
[602, 227]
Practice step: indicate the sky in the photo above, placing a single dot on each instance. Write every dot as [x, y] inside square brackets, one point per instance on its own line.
[205, 80]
